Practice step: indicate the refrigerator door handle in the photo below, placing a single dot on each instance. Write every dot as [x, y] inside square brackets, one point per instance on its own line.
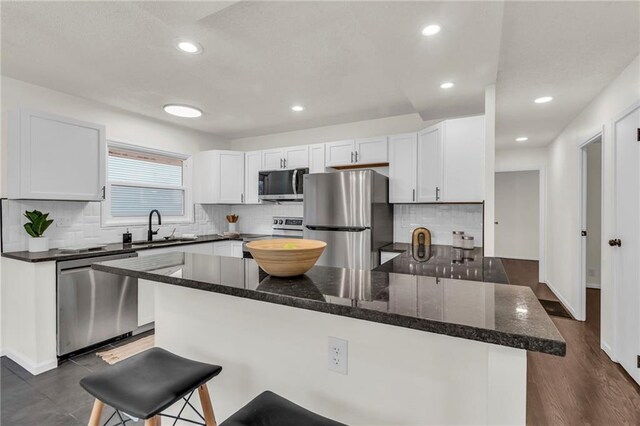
[336, 229]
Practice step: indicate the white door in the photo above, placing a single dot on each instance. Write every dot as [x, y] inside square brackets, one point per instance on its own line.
[339, 153]
[402, 168]
[252, 167]
[296, 157]
[627, 266]
[272, 159]
[316, 158]
[463, 160]
[371, 150]
[517, 216]
[231, 169]
[430, 164]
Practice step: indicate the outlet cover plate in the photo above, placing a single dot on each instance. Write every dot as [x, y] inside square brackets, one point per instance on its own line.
[338, 355]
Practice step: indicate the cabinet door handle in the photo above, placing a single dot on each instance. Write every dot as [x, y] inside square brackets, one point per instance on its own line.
[352, 156]
[281, 166]
[241, 197]
[437, 193]
[413, 198]
[356, 156]
[104, 192]
[285, 163]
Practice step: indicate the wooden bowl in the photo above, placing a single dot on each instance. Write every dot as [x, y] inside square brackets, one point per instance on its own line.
[286, 257]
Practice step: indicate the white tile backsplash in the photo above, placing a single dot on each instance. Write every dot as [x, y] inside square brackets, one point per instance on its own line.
[440, 219]
[256, 219]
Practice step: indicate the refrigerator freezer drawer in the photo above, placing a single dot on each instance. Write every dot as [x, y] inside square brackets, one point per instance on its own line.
[345, 249]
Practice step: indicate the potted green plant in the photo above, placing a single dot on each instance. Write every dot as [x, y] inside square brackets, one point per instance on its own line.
[38, 223]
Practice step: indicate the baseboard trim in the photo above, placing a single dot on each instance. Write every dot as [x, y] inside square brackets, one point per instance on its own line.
[607, 350]
[29, 365]
[593, 285]
[566, 304]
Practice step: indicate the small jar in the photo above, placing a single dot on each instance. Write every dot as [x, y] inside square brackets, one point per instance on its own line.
[457, 239]
[467, 242]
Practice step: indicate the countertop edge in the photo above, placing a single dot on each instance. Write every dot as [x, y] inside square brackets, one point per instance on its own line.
[517, 341]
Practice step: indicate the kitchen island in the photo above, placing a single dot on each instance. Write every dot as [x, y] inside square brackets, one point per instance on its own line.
[421, 350]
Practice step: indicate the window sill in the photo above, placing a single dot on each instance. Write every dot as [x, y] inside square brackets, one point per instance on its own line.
[115, 223]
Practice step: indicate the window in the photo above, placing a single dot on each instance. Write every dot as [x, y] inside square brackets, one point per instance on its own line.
[140, 180]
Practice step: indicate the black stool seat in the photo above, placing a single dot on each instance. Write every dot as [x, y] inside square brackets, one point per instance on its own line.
[149, 382]
[269, 409]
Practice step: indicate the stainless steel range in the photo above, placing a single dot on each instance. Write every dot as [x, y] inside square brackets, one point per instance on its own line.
[281, 227]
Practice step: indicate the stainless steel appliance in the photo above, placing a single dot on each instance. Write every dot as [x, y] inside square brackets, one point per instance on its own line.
[93, 306]
[350, 211]
[281, 185]
[281, 227]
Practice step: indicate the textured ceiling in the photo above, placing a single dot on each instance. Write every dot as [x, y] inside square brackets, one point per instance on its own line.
[345, 61]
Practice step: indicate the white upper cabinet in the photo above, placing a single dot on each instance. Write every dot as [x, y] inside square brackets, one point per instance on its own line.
[296, 157]
[339, 153]
[292, 157]
[252, 167]
[219, 177]
[429, 164]
[464, 160]
[272, 159]
[316, 158]
[371, 150]
[54, 158]
[402, 168]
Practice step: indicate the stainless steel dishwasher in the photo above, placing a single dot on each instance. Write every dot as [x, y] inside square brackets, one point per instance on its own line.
[93, 306]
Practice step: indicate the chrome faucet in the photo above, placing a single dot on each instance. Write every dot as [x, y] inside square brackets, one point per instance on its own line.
[150, 232]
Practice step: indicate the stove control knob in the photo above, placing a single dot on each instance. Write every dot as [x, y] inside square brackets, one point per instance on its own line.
[275, 221]
[280, 222]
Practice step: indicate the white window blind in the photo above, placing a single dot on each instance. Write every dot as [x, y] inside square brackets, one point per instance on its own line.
[140, 182]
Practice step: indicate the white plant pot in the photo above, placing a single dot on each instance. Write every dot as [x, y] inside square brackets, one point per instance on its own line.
[38, 244]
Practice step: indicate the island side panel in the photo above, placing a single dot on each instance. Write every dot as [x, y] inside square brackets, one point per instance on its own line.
[395, 375]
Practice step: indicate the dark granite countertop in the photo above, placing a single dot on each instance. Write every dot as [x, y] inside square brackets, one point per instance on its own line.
[486, 312]
[445, 262]
[119, 248]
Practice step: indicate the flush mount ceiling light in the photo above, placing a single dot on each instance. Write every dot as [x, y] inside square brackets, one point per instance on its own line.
[447, 85]
[297, 108]
[185, 111]
[189, 47]
[522, 139]
[430, 30]
[543, 99]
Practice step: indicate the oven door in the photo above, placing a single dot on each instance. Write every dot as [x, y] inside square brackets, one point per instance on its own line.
[279, 185]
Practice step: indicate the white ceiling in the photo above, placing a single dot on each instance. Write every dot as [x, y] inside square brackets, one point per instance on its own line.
[345, 61]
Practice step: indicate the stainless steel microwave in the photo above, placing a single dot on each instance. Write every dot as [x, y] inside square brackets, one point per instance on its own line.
[281, 185]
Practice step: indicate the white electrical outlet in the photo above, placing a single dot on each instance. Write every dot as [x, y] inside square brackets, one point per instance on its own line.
[337, 355]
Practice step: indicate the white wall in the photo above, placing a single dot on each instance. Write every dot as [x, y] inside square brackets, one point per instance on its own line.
[489, 170]
[563, 183]
[358, 129]
[518, 215]
[594, 228]
[509, 160]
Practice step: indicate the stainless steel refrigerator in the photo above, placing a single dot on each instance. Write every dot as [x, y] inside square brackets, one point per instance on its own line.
[350, 211]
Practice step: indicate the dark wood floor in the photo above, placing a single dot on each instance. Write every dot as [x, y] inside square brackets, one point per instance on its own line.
[585, 387]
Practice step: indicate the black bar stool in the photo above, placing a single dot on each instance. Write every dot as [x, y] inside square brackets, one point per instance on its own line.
[269, 409]
[148, 383]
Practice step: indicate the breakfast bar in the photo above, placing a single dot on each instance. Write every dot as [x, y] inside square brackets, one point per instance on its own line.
[421, 349]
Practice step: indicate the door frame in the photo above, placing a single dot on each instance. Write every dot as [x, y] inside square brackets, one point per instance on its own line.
[615, 258]
[581, 315]
[542, 219]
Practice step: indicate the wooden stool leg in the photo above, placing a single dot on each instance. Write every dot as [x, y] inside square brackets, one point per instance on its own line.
[207, 408]
[96, 413]
[153, 421]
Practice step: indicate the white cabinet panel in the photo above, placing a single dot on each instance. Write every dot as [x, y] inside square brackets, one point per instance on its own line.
[371, 150]
[236, 249]
[252, 166]
[403, 294]
[340, 153]
[402, 168]
[55, 158]
[296, 157]
[222, 248]
[464, 158]
[316, 158]
[429, 164]
[272, 159]
[219, 177]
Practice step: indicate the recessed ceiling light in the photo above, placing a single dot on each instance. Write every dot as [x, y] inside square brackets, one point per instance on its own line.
[522, 139]
[544, 100]
[182, 110]
[430, 30]
[190, 47]
[297, 108]
[447, 85]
